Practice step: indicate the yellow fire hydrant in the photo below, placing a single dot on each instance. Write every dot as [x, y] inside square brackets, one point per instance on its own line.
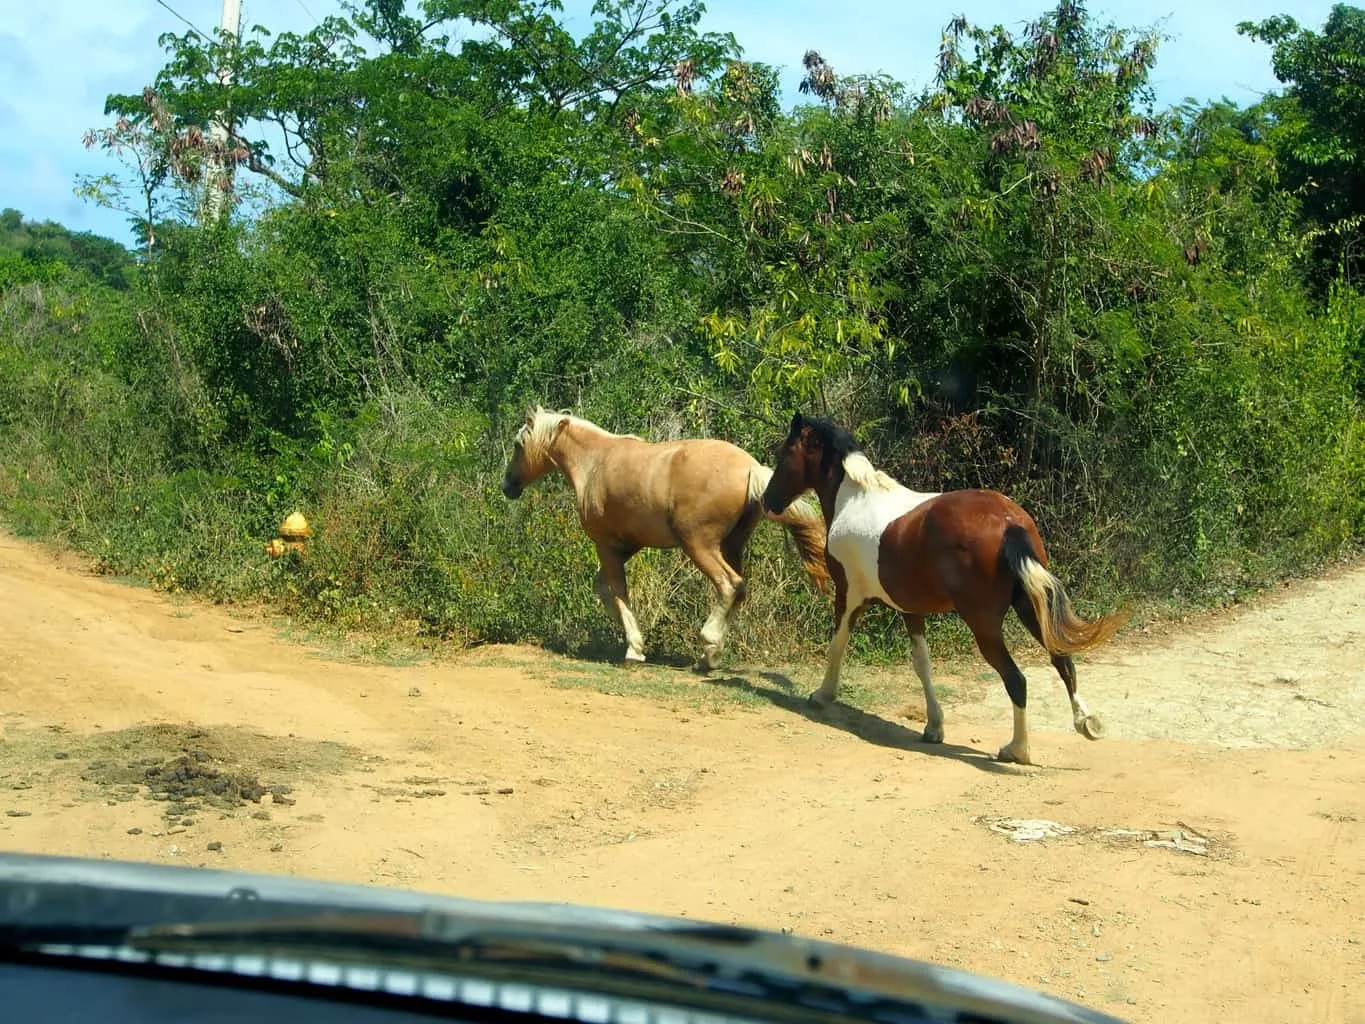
[294, 534]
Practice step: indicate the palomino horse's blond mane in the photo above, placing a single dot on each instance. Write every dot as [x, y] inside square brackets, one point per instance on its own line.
[538, 433]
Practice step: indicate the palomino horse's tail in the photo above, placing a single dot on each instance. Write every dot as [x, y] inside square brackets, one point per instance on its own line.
[805, 524]
[1064, 632]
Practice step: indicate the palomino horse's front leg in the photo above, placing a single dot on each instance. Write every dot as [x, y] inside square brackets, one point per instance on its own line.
[611, 589]
[919, 648]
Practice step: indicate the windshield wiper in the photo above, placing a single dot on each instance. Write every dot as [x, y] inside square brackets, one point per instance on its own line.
[704, 967]
[428, 939]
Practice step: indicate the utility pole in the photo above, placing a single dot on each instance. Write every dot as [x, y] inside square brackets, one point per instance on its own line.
[219, 168]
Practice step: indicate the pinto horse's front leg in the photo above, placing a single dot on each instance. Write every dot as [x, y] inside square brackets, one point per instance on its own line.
[846, 614]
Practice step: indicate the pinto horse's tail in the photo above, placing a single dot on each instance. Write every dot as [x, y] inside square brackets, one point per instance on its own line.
[805, 524]
[1064, 632]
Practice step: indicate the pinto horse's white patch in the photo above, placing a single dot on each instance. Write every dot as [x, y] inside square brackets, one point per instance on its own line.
[864, 507]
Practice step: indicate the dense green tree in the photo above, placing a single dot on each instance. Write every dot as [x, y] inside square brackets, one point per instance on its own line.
[1320, 130]
[43, 249]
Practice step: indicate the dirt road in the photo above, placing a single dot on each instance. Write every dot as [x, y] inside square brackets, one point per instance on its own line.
[510, 774]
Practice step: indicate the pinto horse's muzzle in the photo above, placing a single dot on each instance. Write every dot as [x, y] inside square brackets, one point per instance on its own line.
[774, 503]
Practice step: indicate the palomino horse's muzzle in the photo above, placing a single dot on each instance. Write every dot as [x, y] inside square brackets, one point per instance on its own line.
[511, 488]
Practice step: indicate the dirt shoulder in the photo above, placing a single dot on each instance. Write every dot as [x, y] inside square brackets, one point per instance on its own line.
[135, 726]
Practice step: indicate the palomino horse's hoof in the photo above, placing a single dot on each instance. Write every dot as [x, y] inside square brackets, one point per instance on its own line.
[710, 659]
[819, 699]
[933, 733]
[1090, 727]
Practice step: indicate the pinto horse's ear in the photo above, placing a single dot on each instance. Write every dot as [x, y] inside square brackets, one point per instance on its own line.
[797, 423]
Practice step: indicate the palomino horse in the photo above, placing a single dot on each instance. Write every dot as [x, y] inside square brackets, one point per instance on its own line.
[971, 551]
[701, 495]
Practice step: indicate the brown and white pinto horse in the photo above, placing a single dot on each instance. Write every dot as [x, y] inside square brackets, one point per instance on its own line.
[701, 495]
[971, 551]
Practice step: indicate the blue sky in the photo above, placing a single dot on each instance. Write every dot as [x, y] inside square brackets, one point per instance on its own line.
[59, 59]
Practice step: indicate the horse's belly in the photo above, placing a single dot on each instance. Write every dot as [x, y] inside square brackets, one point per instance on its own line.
[855, 540]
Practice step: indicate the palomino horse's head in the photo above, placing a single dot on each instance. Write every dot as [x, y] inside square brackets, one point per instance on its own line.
[532, 455]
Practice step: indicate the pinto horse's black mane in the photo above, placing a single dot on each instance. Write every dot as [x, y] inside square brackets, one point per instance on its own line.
[836, 442]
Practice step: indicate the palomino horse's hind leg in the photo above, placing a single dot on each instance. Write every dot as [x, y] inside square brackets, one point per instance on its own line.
[933, 714]
[1086, 724]
[729, 586]
[993, 649]
[610, 586]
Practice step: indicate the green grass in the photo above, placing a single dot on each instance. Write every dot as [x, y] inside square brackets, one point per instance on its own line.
[351, 647]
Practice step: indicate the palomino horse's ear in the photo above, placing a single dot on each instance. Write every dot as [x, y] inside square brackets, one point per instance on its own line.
[559, 427]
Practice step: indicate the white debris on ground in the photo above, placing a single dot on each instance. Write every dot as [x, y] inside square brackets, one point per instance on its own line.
[1170, 838]
[1025, 830]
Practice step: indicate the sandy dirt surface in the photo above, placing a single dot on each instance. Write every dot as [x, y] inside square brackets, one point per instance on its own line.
[141, 727]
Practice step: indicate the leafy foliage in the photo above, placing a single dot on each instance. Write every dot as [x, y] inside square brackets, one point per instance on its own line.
[1321, 137]
[1143, 324]
[46, 251]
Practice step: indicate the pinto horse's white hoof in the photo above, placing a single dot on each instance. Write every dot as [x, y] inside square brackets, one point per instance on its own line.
[634, 656]
[1008, 755]
[1090, 727]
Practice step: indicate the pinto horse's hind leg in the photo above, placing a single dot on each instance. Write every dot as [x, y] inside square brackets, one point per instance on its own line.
[997, 655]
[611, 589]
[1086, 724]
[919, 646]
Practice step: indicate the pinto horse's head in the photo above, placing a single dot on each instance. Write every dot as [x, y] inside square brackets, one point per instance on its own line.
[796, 467]
[532, 448]
[810, 459]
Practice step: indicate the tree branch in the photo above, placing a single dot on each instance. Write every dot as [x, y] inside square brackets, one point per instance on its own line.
[257, 166]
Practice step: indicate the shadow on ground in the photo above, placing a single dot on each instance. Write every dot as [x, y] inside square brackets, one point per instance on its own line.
[781, 692]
